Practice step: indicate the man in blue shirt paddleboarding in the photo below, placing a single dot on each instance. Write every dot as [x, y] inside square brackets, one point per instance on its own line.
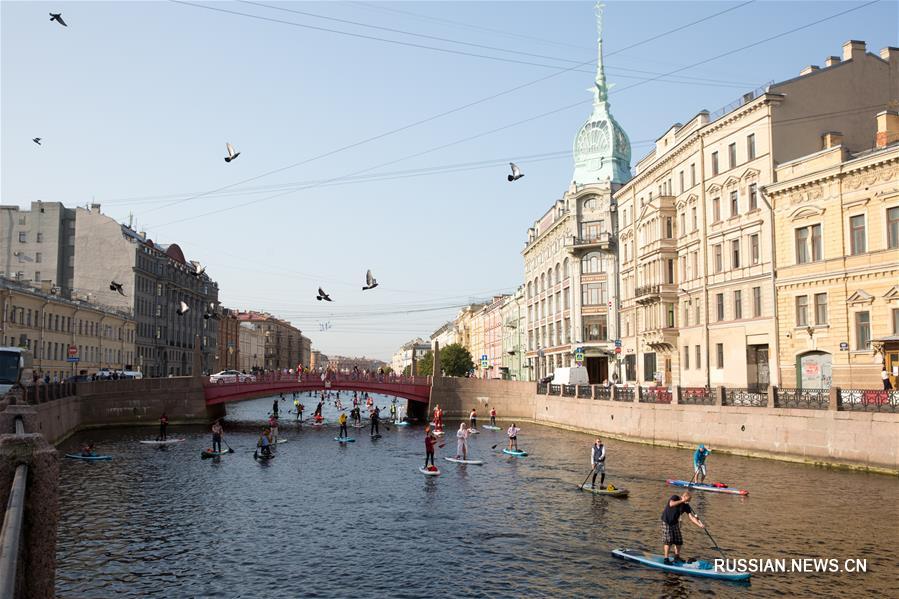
[699, 469]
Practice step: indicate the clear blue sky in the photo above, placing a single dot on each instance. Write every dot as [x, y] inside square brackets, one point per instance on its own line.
[135, 101]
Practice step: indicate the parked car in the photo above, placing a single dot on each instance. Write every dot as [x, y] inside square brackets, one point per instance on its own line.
[231, 376]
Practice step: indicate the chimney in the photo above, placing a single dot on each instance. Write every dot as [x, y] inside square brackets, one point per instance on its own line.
[887, 128]
[95, 208]
[853, 49]
[889, 52]
[831, 60]
[809, 69]
[831, 139]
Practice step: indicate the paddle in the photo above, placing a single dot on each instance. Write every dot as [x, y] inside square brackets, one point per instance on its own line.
[228, 446]
[588, 476]
[706, 529]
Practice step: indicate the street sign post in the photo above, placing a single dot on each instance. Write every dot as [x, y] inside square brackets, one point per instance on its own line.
[484, 362]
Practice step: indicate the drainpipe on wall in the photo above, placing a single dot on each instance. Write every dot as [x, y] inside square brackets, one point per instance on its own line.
[764, 197]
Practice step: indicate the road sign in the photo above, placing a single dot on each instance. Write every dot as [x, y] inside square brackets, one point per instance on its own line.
[618, 349]
[618, 343]
[73, 351]
[73, 359]
[579, 357]
[844, 346]
[484, 362]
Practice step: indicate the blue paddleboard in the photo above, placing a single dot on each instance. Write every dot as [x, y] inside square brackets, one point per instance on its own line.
[703, 568]
[345, 439]
[515, 452]
[89, 458]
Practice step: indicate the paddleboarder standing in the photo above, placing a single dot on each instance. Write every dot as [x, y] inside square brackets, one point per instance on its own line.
[598, 459]
[375, 418]
[438, 418]
[671, 533]
[273, 425]
[265, 443]
[341, 420]
[492, 416]
[699, 469]
[275, 407]
[473, 418]
[462, 441]
[217, 436]
[430, 442]
[513, 437]
[318, 410]
[163, 425]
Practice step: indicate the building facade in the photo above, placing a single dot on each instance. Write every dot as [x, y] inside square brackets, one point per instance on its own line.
[513, 314]
[571, 279]
[696, 231]
[409, 351]
[283, 341]
[56, 329]
[252, 346]
[156, 279]
[837, 254]
[228, 354]
[349, 364]
[37, 245]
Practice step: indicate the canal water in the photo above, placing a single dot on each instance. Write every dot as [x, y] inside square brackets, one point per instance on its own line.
[358, 520]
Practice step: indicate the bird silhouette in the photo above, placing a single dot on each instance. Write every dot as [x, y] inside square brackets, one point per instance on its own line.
[231, 153]
[323, 296]
[182, 309]
[37, 140]
[210, 312]
[113, 286]
[57, 16]
[516, 172]
[370, 281]
[199, 269]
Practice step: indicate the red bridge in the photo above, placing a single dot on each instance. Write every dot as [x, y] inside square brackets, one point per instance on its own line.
[416, 388]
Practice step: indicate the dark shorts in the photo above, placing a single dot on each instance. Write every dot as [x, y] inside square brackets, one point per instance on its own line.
[513, 438]
[671, 534]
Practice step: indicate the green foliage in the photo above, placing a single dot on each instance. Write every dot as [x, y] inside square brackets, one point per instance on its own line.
[455, 360]
[425, 364]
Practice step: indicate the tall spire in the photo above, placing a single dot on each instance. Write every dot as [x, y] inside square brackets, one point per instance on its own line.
[601, 91]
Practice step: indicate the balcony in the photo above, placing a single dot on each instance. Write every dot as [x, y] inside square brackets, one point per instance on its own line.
[601, 241]
[660, 339]
[647, 294]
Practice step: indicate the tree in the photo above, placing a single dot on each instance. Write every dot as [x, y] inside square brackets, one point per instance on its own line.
[455, 360]
[407, 370]
[424, 366]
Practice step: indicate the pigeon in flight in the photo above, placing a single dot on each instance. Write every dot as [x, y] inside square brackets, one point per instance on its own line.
[113, 286]
[231, 153]
[323, 296]
[182, 309]
[199, 269]
[210, 312]
[57, 16]
[370, 281]
[37, 140]
[516, 172]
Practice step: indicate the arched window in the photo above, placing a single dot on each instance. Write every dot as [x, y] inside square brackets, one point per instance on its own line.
[542, 282]
[558, 273]
[549, 278]
[529, 290]
[590, 204]
[592, 263]
[565, 271]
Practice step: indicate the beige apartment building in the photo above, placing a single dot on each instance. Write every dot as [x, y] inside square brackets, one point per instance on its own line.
[251, 339]
[49, 326]
[837, 229]
[696, 232]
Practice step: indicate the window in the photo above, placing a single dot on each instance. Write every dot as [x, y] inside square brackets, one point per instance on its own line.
[594, 294]
[754, 253]
[753, 197]
[893, 227]
[698, 356]
[692, 175]
[670, 273]
[23, 236]
[808, 244]
[695, 264]
[695, 218]
[738, 304]
[649, 366]
[592, 263]
[820, 308]
[756, 302]
[801, 310]
[686, 318]
[683, 223]
[862, 330]
[716, 210]
[734, 204]
[750, 146]
[735, 253]
[669, 227]
[669, 316]
[37, 276]
[682, 181]
[896, 321]
[719, 260]
[857, 234]
[719, 355]
[719, 306]
[40, 237]
[686, 357]
[38, 257]
[732, 155]
[714, 163]
[596, 328]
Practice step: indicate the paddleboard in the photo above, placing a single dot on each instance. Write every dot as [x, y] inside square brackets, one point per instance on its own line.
[427, 472]
[259, 456]
[709, 488]
[282, 441]
[703, 568]
[461, 461]
[438, 433]
[166, 442]
[358, 426]
[376, 436]
[208, 453]
[514, 452]
[345, 439]
[605, 491]
[318, 424]
[474, 431]
[89, 458]
[489, 427]
[403, 424]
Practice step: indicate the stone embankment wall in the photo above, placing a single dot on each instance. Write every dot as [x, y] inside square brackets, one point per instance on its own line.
[861, 440]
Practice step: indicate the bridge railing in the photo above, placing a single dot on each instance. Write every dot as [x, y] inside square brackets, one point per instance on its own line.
[334, 377]
[11, 533]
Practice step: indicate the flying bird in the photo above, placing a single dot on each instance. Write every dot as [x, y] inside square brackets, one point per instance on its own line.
[182, 309]
[210, 312]
[231, 153]
[199, 269]
[370, 281]
[37, 140]
[516, 172]
[113, 286]
[323, 296]
[57, 16]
